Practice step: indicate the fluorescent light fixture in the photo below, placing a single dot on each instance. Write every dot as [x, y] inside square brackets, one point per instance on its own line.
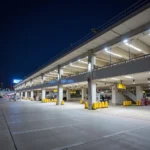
[84, 62]
[125, 41]
[103, 79]
[113, 53]
[115, 79]
[53, 73]
[128, 77]
[134, 47]
[77, 66]
[67, 72]
[106, 49]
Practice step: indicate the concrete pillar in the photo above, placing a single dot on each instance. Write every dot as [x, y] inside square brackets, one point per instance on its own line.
[68, 94]
[114, 94]
[43, 94]
[91, 83]
[37, 95]
[32, 94]
[139, 92]
[83, 93]
[21, 95]
[42, 79]
[60, 87]
[26, 94]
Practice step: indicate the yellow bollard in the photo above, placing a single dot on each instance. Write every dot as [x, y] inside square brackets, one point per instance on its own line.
[103, 105]
[106, 104]
[62, 102]
[81, 101]
[124, 103]
[137, 103]
[86, 105]
[100, 105]
[140, 104]
[94, 106]
[57, 103]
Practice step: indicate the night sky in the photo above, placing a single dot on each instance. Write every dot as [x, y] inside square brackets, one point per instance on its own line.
[32, 32]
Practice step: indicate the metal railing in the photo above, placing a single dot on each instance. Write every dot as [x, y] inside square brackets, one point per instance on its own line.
[104, 26]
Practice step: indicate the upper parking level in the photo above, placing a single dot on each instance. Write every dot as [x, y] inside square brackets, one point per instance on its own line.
[125, 40]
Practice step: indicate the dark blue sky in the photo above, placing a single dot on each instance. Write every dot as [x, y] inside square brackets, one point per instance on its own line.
[32, 32]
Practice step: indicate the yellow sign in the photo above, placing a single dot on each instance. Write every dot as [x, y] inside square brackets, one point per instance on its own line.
[73, 92]
[55, 90]
[121, 86]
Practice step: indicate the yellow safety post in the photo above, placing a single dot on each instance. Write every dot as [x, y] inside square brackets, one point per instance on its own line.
[103, 105]
[106, 104]
[100, 105]
[124, 103]
[86, 105]
[137, 103]
[140, 104]
[81, 101]
[94, 106]
[62, 102]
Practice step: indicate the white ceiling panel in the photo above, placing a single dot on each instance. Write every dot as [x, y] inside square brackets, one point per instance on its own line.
[145, 39]
[121, 29]
[109, 36]
[138, 20]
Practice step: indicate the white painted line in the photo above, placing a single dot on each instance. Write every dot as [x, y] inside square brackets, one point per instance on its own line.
[36, 130]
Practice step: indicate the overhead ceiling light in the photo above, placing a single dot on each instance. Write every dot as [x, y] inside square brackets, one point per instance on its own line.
[84, 62]
[78, 66]
[125, 41]
[53, 73]
[113, 53]
[134, 47]
[128, 77]
[115, 79]
[103, 79]
[67, 72]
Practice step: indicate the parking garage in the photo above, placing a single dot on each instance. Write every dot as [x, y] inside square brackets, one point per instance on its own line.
[119, 54]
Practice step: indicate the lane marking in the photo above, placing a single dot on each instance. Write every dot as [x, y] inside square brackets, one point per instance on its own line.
[37, 130]
[104, 137]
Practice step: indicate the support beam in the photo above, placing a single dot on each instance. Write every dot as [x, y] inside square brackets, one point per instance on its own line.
[83, 93]
[114, 94]
[60, 87]
[26, 94]
[68, 94]
[139, 92]
[43, 94]
[91, 83]
[21, 95]
[32, 94]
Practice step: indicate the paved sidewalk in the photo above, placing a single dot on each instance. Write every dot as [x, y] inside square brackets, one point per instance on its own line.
[45, 126]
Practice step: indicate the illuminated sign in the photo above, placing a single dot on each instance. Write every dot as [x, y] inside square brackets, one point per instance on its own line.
[73, 92]
[55, 91]
[121, 86]
[17, 80]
